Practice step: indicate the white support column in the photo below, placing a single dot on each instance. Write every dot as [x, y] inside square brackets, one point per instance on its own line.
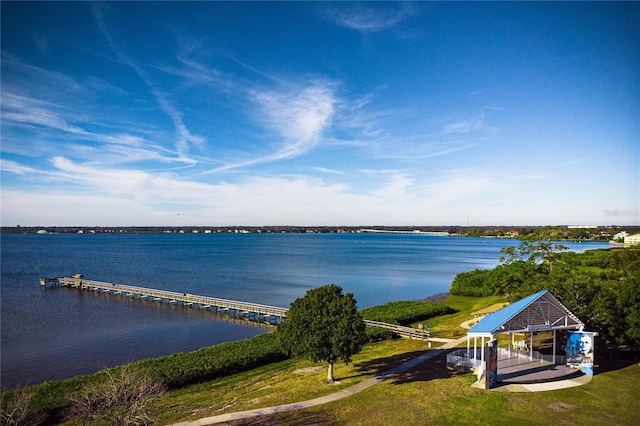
[554, 346]
[475, 349]
[531, 345]
[468, 346]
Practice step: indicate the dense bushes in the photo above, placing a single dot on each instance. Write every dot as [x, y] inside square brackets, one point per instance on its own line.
[377, 334]
[405, 312]
[183, 369]
[476, 283]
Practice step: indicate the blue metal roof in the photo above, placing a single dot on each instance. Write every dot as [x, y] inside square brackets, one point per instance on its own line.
[492, 322]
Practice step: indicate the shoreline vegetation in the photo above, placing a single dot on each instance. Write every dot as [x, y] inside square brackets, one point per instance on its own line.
[190, 381]
[532, 233]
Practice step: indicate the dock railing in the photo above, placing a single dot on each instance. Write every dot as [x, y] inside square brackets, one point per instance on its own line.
[402, 331]
[464, 360]
[256, 311]
[248, 310]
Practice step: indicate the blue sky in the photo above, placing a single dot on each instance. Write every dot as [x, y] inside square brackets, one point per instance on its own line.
[287, 113]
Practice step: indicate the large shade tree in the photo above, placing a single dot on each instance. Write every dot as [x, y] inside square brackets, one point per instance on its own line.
[324, 325]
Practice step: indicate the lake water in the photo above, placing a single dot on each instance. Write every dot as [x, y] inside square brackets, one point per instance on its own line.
[50, 334]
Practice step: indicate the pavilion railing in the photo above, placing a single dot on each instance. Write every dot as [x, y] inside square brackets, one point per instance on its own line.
[464, 360]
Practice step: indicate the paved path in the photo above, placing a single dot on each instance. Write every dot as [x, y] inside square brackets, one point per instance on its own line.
[538, 387]
[327, 398]
[467, 324]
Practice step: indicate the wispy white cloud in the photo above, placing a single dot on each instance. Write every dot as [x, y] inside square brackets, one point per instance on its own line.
[42, 82]
[461, 185]
[107, 195]
[476, 123]
[398, 185]
[31, 114]
[113, 196]
[297, 116]
[367, 17]
[329, 171]
[421, 150]
[399, 133]
[116, 181]
[17, 168]
[41, 43]
[184, 138]
[26, 111]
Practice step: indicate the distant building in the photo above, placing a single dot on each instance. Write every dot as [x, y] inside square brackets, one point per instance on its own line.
[621, 235]
[632, 240]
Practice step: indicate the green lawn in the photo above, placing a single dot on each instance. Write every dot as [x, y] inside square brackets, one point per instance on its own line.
[431, 395]
[448, 326]
[281, 383]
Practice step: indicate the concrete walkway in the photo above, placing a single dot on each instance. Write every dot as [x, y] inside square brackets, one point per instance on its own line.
[222, 418]
[468, 324]
[538, 387]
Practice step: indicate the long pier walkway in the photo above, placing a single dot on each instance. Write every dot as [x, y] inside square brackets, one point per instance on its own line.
[251, 311]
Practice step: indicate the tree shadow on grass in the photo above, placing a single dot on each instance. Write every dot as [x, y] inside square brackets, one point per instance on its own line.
[433, 368]
[610, 360]
[291, 418]
[382, 365]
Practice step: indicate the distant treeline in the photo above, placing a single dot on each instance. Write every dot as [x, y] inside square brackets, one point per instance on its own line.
[533, 233]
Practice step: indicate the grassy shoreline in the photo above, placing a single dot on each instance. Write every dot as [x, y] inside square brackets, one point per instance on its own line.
[430, 394]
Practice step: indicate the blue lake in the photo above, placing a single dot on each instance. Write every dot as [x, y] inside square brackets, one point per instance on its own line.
[58, 333]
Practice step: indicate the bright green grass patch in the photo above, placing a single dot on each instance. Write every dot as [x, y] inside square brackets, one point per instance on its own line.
[448, 326]
[281, 383]
[431, 395]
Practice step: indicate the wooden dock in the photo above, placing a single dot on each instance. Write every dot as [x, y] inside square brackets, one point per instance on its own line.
[252, 311]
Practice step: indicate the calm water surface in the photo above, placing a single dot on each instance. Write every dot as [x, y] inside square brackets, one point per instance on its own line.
[59, 333]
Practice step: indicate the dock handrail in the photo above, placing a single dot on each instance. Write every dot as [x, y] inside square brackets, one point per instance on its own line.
[169, 296]
[186, 299]
[409, 332]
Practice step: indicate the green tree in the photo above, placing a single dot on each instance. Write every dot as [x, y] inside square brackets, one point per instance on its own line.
[629, 302]
[476, 283]
[540, 253]
[324, 325]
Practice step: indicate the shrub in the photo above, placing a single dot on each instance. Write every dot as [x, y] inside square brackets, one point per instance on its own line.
[405, 312]
[476, 283]
[213, 362]
[378, 334]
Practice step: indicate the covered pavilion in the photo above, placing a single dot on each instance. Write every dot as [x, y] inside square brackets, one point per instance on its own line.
[539, 312]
